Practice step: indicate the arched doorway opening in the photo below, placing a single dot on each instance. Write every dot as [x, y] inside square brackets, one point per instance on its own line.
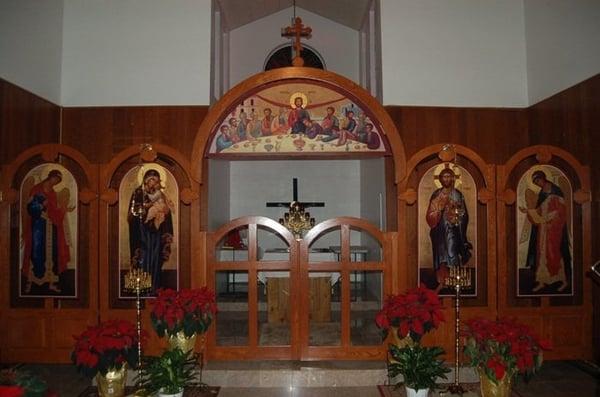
[293, 298]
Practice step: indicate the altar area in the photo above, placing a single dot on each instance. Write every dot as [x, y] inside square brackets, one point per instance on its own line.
[274, 292]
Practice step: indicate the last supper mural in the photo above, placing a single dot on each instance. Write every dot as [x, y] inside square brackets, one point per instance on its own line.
[297, 118]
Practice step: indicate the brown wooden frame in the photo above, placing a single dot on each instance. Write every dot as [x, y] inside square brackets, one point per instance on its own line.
[299, 267]
[42, 331]
[484, 176]
[297, 74]
[110, 305]
[387, 241]
[253, 266]
[395, 166]
[566, 321]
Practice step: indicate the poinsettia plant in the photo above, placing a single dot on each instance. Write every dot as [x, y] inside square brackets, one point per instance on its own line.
[106, 347]
[413, 313]
[187, 310]
[14, 382]
[503, 347]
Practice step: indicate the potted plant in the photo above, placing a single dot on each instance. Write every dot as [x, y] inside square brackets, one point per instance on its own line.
[419, 366]
[183, 314]
[412, 314]
[15, 382]
[168, 374]
[501, 349]
[104, 351]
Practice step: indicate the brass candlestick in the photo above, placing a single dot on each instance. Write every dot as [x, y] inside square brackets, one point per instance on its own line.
[460, 277]
[138, 280]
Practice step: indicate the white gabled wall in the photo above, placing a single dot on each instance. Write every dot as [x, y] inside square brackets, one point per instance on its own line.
[563, 44]
[453, 53]
[249, 45]
[132, 52]
[504, 53]
[31, 45]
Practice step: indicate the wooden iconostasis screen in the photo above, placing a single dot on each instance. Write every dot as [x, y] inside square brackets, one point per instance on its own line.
[147, 197]
[50, 244]
[50, 253]
[544, 246]
[450, 217]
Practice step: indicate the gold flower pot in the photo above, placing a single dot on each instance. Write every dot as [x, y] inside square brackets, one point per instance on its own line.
[113, 383]
[406, 341]
[181, 341]
[491, 389]
[399, 342]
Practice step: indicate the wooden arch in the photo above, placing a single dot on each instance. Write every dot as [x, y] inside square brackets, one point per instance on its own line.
[48, 321]
[147, 154]
[329, 224]
[295, 74]
[564, 320]
[254, 220]
[445, 153]
[50, 153]
[543, 154]
[408, 220]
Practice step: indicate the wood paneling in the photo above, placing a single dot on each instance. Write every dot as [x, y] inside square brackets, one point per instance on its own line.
[493, 133]
[26, 332]
[570, 120]
[101, 132]
[25, 120]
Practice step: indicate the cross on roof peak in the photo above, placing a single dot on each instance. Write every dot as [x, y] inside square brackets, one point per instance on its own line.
[297, 30]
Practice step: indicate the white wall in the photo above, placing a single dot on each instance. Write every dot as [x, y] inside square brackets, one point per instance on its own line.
[372, 185]
[136, 52]
[334, 182]
[453, 53]
[31, 45]
[218, 194]
[250, 44]
[563, 44]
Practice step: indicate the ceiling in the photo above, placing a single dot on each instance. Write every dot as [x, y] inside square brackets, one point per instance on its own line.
[346, 12]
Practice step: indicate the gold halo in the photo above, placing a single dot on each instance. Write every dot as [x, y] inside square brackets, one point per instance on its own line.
[64, 172]
[151, 166]
[546, 169]
[455, 168]
[296, 95]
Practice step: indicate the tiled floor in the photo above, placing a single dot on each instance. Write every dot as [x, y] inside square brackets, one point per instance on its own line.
[556, 379]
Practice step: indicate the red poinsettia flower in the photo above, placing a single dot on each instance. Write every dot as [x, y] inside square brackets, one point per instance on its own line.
[11, 391]
[106, 346]
[187, 310]
[414, 313]
[503, 346]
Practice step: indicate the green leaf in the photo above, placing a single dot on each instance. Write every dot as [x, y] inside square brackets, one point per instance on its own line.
[419, 366]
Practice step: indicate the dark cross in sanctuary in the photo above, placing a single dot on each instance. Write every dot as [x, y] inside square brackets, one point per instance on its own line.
[297, 30]
[295, 199]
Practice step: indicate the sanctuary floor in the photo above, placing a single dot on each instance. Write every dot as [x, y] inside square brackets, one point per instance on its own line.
[556, 379]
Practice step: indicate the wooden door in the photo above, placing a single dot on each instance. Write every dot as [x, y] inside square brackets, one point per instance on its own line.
[257, 291]
[343, 292]
[305, 299]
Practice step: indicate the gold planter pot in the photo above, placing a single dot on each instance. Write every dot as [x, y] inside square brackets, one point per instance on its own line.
[491, 389]
[399, 342]
[406, 341]
[113, 383]
[181, 341]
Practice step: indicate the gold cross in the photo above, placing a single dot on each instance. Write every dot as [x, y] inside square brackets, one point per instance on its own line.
[297, 30]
